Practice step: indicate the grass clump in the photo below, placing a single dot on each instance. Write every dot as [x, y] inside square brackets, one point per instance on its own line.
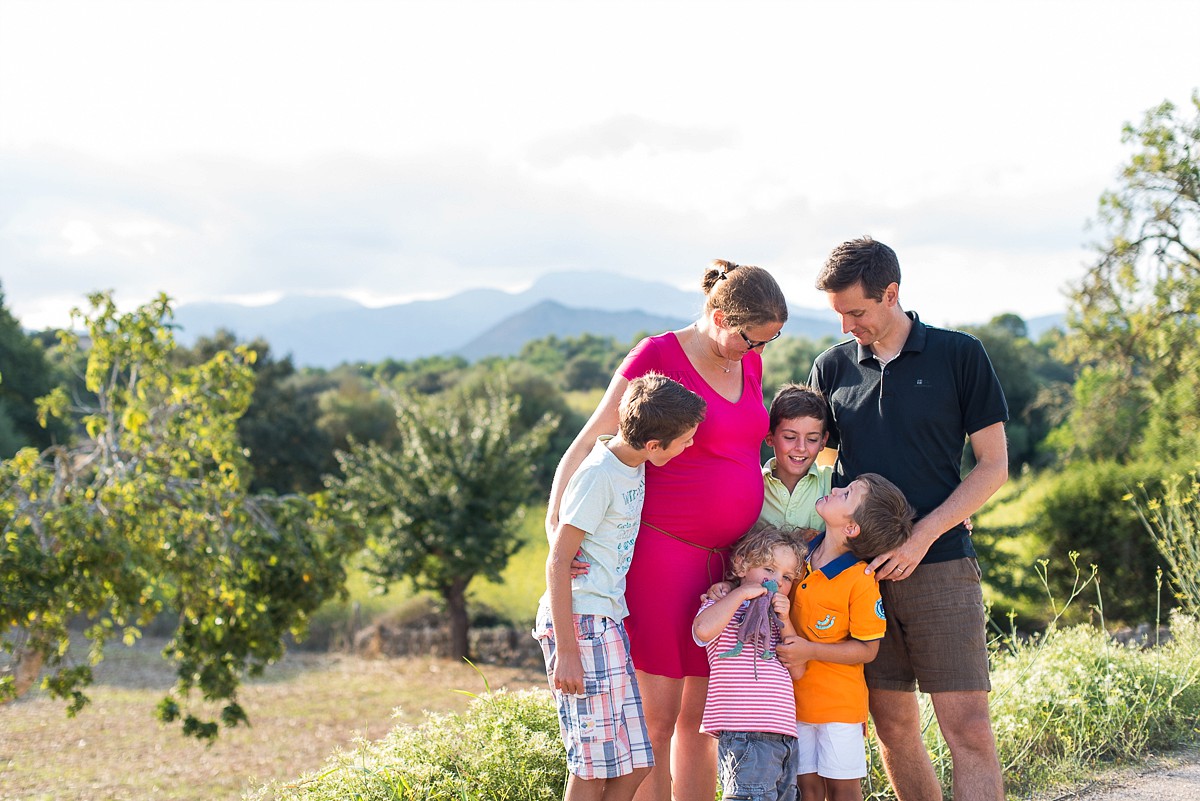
[504, 747]
[1074, 700]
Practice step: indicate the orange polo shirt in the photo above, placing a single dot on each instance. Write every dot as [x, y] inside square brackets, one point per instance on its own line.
[832, 604]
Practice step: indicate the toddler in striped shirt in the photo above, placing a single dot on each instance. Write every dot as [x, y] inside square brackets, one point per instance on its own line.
[750, 707]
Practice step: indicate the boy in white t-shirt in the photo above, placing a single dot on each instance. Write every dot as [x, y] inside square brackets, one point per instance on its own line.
[590, 672]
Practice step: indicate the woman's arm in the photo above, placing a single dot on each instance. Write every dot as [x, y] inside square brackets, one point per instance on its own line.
[603, 421]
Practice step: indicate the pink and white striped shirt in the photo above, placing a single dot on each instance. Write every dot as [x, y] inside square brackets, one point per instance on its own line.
[746, 692]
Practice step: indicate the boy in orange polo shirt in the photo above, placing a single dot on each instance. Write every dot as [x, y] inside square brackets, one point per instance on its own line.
[837, 611]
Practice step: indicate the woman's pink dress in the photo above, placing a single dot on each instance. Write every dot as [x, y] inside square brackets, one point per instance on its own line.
[710, 495]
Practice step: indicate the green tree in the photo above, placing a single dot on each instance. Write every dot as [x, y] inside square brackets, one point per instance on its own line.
[446, 506]
[288, 451]
[148, 513]
[25, 376]
[584, 362]
[353, 406]
[1084, 510]
[1036, 385]
[1134, 327]
[539, 398]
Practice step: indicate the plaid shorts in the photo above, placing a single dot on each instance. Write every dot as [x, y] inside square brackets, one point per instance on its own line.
[604, 729]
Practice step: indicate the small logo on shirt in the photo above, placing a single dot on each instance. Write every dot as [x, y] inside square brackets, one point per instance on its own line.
[879, 610]
[822, 625]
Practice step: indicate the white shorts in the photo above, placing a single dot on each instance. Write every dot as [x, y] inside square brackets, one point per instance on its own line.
[832, 750]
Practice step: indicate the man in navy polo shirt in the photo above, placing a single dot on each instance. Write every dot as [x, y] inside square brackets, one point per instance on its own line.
[905, 398]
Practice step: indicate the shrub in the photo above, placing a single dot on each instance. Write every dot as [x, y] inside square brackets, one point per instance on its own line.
[1077, 699]
[504, 747]
[1085, 511]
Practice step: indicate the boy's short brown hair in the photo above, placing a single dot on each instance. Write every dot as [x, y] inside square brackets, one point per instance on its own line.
[757, 546]
[884, 518]
[799, 400]
[655, 407]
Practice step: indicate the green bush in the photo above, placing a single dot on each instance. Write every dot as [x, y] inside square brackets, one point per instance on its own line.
[1085, 511]
[1077, 699]
[1071, 701]
[504, 747]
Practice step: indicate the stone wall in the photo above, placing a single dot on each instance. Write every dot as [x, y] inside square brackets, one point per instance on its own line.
[502, 645]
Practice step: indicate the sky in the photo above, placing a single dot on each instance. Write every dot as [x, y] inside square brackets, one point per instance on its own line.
[404, 150]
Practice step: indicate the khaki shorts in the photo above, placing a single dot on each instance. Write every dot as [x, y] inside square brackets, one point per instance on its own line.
[936, 631]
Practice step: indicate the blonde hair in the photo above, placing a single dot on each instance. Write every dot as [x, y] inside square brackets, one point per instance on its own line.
[757, 547]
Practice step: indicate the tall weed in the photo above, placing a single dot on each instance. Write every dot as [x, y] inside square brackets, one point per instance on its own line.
[1173, 520]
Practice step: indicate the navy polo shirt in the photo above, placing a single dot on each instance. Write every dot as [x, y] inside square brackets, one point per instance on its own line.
[909, 421]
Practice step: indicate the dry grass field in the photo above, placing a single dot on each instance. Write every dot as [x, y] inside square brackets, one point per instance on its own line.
[301, 711]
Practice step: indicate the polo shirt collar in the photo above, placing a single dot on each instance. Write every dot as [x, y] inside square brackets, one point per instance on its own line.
[768, 470]
[834, 568]
[915, 341]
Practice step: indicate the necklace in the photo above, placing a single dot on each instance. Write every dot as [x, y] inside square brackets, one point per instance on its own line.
[725, 368]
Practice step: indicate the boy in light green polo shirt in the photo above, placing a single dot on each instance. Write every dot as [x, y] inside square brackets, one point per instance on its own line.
[793, 479]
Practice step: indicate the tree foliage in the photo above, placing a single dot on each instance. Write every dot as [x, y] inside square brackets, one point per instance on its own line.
[148, 514]
[584, 362]
[1085, 511]
[1036, 385]
[1134, 314]
[789, 359]
[25, 376]
[288, 451]
[445, 506]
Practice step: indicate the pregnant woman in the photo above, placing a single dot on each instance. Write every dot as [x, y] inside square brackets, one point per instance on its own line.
[696, 506]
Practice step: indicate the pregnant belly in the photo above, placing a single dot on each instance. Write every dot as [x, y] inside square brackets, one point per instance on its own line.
[711, 507]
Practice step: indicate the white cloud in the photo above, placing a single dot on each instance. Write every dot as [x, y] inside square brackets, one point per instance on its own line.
[413, 149]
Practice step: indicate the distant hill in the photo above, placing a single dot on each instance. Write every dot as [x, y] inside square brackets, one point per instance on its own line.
[1036, 326]
[327, 331]
[507, 337]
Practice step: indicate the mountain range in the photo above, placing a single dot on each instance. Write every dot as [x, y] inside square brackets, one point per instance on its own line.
[475, 323]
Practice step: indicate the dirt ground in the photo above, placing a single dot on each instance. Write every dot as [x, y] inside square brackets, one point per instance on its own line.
[1172, 777]
[301, 711]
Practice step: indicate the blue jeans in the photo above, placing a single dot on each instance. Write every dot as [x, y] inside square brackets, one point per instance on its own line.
[757, 766]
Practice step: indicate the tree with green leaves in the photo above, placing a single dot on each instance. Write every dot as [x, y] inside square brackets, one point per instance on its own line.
[24, 377]
[1036, 385]
[1134, 324]
[446, 505]
[148, 514]
[288, 451]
